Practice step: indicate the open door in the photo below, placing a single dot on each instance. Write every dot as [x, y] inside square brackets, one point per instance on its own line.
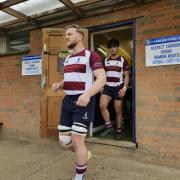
[53, 43]
[99, 38]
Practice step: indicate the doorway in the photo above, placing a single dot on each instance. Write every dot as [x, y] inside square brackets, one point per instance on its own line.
[98, 38]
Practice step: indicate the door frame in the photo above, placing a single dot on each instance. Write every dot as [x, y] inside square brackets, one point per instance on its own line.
[115, 25]
[47, 51]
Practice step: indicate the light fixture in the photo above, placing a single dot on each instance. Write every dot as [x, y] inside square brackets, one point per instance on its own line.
[102, 51]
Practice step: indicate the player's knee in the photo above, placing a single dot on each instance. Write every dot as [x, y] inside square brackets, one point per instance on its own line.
[65, 136]
[102, 106]
[79, 129]
[79, 132]
[65, 139]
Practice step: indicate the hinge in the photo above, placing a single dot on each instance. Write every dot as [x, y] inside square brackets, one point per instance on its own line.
[45, 49]
[43, 82]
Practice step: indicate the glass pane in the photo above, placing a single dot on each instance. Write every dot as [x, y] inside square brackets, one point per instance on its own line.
[14, 43]
[37, 6]
[4, 17]
[76, 1]
[32, 7]
[19, 42]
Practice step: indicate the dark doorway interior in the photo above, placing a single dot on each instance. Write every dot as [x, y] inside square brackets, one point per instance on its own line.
[99, 43]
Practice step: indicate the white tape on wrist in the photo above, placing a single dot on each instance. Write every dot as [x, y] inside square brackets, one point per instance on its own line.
[124, 88]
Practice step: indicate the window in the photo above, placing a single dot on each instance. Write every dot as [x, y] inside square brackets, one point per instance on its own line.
[14, 43]
[3, 45]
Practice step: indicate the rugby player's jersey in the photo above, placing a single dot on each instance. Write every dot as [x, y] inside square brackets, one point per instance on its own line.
[78, 71]
[114, 70]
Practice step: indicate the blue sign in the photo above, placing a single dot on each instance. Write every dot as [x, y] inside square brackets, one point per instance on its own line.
[163, 51]
[32, 65]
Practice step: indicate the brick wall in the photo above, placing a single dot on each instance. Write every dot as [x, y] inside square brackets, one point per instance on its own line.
[20, 96]
[157, 88]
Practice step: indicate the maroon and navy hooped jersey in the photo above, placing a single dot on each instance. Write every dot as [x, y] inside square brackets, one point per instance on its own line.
[78, 71]
[114, 70]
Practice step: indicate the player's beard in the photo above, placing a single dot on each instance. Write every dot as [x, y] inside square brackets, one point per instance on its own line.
[72, 45]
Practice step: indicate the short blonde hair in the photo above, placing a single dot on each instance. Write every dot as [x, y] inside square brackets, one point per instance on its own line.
[78, 29]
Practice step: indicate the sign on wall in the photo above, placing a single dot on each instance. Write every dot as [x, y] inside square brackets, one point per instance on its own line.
[163, 51]
[62, 54]
[32, 65]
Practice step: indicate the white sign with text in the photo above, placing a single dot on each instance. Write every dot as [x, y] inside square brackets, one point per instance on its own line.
[163, 51]
[31, 65]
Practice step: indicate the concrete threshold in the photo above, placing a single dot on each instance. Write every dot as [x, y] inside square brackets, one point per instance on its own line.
[125, 144]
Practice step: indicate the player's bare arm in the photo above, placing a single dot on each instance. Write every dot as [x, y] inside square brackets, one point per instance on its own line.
[122, 92]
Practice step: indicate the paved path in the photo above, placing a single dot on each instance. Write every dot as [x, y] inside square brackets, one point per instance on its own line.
[48, 161]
